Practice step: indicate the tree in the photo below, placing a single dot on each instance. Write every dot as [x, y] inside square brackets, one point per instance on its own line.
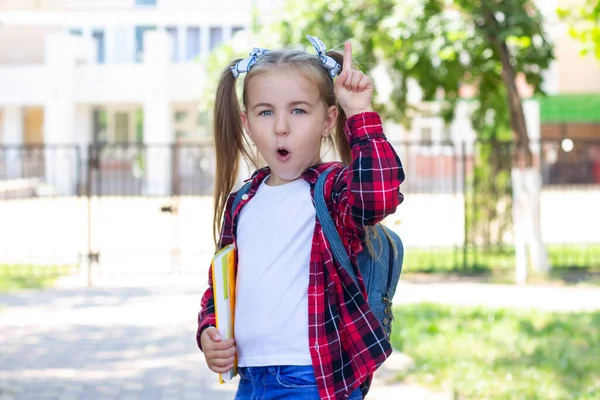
[584, 21]
[445, 46]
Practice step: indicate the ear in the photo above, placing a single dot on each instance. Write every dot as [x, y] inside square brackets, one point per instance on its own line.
[246, 124]
[330, 120]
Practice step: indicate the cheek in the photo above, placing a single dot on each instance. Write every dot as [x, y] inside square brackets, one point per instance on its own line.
[258, 131]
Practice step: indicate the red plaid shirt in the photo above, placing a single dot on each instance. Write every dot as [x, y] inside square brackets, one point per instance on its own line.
[347, 343]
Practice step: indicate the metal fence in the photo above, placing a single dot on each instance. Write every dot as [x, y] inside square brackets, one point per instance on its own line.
[116, 169]
[131, 169]
[136, 169]
[456, 216]
[461, 211]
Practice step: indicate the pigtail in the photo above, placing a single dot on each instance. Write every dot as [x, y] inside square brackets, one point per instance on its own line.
[230, 143]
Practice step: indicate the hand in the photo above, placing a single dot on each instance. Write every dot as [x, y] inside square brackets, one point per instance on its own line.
[353, 89]
[219, 353]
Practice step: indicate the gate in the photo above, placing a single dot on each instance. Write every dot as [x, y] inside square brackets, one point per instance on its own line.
[134, 209]
[41, 216]
[150, 208]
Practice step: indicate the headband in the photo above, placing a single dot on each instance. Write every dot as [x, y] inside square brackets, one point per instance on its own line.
[329, 63]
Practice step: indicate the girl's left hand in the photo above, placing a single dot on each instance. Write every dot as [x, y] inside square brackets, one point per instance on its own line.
[353, 89]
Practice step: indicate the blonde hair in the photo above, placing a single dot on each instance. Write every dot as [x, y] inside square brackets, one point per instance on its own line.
[231, 144]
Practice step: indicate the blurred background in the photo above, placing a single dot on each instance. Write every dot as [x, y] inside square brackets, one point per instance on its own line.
[107, 172]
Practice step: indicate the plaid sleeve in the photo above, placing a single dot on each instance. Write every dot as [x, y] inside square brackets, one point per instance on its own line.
[206, 316]
[369, 190]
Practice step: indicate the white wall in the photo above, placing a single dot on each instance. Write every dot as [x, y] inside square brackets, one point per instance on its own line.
[119, 83]
[568, 215]
[425, 220]
[23, 85]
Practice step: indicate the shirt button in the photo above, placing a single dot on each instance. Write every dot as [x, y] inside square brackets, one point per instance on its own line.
[244, 197]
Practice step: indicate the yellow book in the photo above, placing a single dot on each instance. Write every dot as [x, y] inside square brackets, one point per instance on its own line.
[223, 276]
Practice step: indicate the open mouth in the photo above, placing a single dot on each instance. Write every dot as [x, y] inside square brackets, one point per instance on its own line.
[283, 154]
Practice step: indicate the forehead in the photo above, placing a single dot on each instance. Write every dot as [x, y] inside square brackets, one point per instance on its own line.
[283, 84]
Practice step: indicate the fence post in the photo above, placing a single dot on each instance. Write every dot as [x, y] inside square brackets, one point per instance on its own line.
[466, 207]
[93, 162]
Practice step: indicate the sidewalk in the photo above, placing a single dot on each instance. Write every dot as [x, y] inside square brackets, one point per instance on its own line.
[133, 338]
[123, 340]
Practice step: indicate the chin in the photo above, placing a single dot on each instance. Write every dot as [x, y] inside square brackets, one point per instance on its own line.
[286, 174]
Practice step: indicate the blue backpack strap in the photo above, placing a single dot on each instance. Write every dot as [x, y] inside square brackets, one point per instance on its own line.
[331, 233]
[238, 197]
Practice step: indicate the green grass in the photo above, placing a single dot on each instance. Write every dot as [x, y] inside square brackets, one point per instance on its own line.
[17, 277]
[450, 259]
[480, 353]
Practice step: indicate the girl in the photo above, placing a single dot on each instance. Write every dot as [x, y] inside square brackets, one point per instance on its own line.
[303, 328]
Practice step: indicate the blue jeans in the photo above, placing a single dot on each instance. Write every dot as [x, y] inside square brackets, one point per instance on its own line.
[280, 382]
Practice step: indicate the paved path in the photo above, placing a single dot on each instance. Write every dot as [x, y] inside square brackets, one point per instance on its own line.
[133, 338]
[117, 342]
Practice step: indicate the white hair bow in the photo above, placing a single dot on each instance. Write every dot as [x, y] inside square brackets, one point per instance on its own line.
[328, 62]
[247, 63]
[256, 53]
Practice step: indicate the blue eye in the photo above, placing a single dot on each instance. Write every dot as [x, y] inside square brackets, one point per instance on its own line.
[298, 111]
[266, 113]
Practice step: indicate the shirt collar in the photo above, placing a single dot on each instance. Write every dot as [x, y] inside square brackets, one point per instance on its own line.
[310, 175]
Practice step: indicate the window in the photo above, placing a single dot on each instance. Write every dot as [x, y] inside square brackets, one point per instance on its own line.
[426, 134]
[236, 29]
[100, 125]
[174, 38]
[122, 127]
[99, 41]
[216, 38]
[193, 43]
[145, 3]
[139, 41]
[446, 135]
[181, 116]
[202, 119]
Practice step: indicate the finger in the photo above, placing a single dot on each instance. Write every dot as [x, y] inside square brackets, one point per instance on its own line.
[347, 65]
[356, 77]
[341, 79]
[221, 370]
[213, 333]
[340, 82]
[222, 345]
[221, 362]
[364, 83]
[228, 353]
[348, 81]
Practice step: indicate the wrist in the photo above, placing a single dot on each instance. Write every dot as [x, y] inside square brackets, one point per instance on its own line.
[357, 111]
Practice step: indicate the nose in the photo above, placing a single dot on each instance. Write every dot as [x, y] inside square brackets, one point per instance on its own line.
[282, 127]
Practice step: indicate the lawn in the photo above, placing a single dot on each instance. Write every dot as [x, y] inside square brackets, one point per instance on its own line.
[570, 263]
[501, 354]
[17, 277]
[474, 259]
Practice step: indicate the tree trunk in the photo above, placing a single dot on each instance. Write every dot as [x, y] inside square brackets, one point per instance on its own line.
[525, 178]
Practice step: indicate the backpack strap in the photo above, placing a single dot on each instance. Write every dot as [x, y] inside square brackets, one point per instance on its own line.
[238, 197]
[331, 233]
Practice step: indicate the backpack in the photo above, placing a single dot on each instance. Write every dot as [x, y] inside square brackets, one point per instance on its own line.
[380, 274]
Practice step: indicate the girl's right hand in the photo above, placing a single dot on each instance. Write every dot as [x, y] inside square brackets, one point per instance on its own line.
[219, 353]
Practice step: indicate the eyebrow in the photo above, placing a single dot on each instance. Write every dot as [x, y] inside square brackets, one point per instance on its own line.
[293, 103]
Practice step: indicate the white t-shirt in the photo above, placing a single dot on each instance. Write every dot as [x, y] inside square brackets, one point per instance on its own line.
[274, 239]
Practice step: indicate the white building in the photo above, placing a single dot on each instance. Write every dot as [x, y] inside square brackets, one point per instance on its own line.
[123, 71]
[82, 71]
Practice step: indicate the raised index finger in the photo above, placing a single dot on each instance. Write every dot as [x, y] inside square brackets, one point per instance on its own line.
[347, 56]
